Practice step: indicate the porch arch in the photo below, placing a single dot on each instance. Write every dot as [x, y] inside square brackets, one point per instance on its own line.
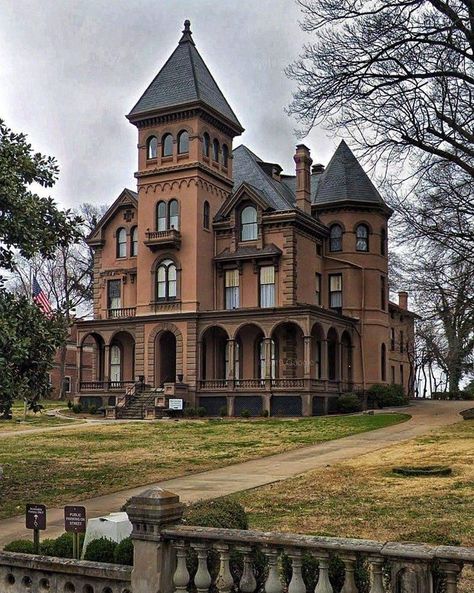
[154, 339]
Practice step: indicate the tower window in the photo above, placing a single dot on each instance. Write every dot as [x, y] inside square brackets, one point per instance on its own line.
[206, 216]
[122, 243]
[335, 238]
[173, 214]
[215, 150]
[232, 300]
[225, 155]
[206, 145]
[383, 363]
[383, 242]
[152, 147]
[167, 145]
[248, 224]
[161, 219]
[134, 241]
[362, 238]
[383, 293]
[166, 276]
[335, 292]
[183, 142]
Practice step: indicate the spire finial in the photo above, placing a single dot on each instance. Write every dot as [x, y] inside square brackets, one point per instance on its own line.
[187, 34]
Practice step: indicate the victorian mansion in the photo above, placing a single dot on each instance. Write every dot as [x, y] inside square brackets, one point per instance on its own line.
[229, 283]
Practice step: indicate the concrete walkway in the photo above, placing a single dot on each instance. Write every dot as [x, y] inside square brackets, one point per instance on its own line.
[426, 415]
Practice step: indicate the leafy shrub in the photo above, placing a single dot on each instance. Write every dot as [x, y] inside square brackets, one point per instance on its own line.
[77, 408]
[223, 513]
[69, 403]
[453, 395]
[100, 550]
[93, 410]
[388, 395]
[245, 413]
[223, 411]
[124, 552]
[201, 411]
[190, 412]
[22, 546]
[348, 402]
[61, 547]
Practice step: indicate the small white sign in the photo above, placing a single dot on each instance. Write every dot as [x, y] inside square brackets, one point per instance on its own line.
[175, 404]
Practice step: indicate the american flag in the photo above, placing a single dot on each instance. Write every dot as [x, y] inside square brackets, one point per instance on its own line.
[40, 298]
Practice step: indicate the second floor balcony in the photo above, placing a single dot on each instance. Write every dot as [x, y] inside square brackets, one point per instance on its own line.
[168, 238]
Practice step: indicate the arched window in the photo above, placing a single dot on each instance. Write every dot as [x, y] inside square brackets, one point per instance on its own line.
[248, 224]
[173, 214]
[335, 238]
[152, 147]
[134, 241]
[225, 155]
[383, 363]
[167, 145]
[122, 243]
[166, 280]
[183, 142]
[206, 215]
[362, 238]
[383, 242]
[161, 222]
[115, 363]
[206, 144]
[215, 150]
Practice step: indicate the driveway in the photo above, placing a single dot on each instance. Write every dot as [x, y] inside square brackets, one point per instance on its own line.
[426, 416]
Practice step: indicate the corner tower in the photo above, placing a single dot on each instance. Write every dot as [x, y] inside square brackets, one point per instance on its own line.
[185, 133]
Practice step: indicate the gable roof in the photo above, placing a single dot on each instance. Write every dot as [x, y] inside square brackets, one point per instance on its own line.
[127, 197]
[184, 79]
[344, 180]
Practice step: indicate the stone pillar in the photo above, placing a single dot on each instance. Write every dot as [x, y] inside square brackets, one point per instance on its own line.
[106, 363]
[324, 360]
[153, 558]
[231, 354]
[79, 358]
[267, 348]
[307, 404]
[230, 405]
[307, 357]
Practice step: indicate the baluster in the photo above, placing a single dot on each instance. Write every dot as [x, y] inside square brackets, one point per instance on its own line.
[202, 579]
[451, 571]
[224, 581]
[248, 582]
[349, 580]
[377, 578]
[296, 584]
[181, 575]
[323, 585]
[273, 583]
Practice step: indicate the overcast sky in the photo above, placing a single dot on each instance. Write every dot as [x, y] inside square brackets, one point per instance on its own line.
[71, 69]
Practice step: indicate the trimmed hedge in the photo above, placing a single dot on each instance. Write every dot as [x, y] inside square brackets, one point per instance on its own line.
[223, 513]
[348, 403]
[101, 550]
[387, 395]
[124, 552]
[21, 546]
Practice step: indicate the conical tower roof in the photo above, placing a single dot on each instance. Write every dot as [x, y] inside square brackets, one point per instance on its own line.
[184, 80]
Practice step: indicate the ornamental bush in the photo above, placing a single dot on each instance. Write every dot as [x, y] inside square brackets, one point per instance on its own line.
[223, 513]
[124, 552]
[100, 550]
[348, 403]
[22, 546]
[387, 395]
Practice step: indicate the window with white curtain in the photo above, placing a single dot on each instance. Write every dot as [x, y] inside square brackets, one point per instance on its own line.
[335, 291]
[114, 300]
[174, 214]
[232, 300]
[166, 276]
[122, 243]
[115, 363]
[161, 219]
[248, 224]
[267, 286]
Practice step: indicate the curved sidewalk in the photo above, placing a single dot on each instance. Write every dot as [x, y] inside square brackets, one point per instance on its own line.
[426, 415]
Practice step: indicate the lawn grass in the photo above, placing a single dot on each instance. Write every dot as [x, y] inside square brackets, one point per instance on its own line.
[67, 465]
[38, 420]
[362, 498]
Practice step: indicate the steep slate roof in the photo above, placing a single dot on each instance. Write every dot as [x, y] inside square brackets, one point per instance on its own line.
[184, 79]
[345, 180]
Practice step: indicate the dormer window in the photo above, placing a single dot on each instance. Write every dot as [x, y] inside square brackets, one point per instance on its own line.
[335, 238]
[362, 238]
[248, 224]
[167, 145]
[152, 148]
[183, 142]
[215, 150]
[206, 145]
[122, 243]
[225, 155]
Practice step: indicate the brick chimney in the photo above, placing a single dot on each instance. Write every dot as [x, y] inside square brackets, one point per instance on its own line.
[403, 300]
[303, 178]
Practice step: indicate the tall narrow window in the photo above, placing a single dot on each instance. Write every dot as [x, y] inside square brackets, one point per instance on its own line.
[152, 147]
[402, 340]
[121, 243]
[383, 242]
[114, 300]
[67, 384]
[402, 378]
[248, 224]
[383, 293]
[335, 238]
[232, 300]
[166, 277]
[261, 359]
[362, 238]
[392, 338]
[225, 155]
[174, 214]
[393, 374]
[335, 292]
[183, 142]
[206, 215]
[134, 241]
[161, 222]
[267, 286]
[317, 293]
[215, 150]
[206, 145]
[115, 363]
[383, 363]
[167, 145]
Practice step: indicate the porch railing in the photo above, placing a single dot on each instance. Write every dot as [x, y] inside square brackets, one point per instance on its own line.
[122, 312]
[321, 385]
[104, 385]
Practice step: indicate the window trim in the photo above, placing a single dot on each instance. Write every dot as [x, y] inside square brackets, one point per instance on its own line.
[234, 294]
[121, 243]
[332, 239]
[172, 201]
[163, 144]
[180, 136]
[109, 301]
[245, 225]
[149, 156]
[166, 264]
[362, 226]
[331, 292]
[261, 285]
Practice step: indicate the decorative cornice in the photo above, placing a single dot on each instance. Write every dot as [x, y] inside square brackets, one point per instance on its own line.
[158, 171]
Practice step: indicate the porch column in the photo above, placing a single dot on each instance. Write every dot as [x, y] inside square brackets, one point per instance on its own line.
[231, 360]
[339, 362]
[199, 376]
[307, 404]
[324, 360]
[106, 363]
[267, 348]
[307, 356]
[79, 368]
[230, 405]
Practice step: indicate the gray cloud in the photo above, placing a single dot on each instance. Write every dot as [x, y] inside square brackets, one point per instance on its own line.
[71, 70]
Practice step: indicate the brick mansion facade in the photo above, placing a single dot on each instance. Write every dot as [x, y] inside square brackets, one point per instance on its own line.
[228, 283]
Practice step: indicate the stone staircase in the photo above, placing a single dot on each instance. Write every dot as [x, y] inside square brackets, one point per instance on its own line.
[137, 403]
